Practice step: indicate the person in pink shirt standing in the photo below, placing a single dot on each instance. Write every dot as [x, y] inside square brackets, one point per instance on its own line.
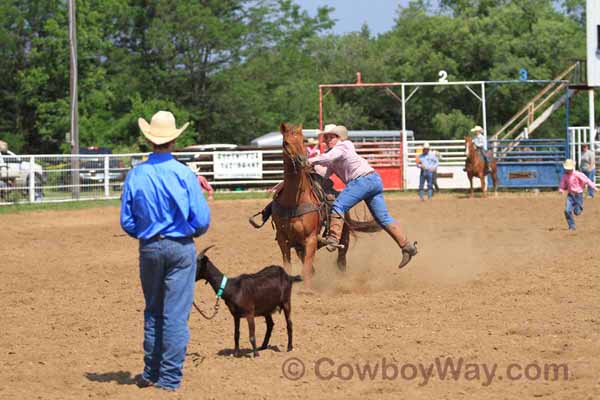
[205, 186]
[573, 182]
[362, 182]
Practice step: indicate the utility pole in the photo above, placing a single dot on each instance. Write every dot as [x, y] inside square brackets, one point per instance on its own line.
[74, 103]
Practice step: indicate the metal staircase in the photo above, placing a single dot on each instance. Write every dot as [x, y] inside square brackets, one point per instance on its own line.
[541, 107]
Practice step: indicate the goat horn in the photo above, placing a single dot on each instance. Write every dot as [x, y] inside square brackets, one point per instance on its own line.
[201, 254]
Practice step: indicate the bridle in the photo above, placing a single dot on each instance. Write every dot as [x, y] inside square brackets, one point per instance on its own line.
[300, 165]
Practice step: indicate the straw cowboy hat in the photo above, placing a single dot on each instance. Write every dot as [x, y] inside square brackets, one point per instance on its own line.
[426, 145]
[161, 128]
[338, 130]
[328, 128]
[477, 129]
[569, 165]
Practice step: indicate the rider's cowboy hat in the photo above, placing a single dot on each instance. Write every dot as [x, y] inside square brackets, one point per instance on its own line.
[339, 130]
[426, 145]
[161, 128]
[477, 129]
[569, 165]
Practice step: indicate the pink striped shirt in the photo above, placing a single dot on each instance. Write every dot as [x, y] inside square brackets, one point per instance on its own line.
[343, 160]
[575, 182]
[205, 185]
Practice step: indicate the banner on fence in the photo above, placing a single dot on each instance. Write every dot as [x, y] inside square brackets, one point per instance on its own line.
[238, 164]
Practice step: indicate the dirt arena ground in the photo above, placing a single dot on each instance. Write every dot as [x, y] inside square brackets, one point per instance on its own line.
[498, 282]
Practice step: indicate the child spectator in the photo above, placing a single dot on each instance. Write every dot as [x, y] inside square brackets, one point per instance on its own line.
[574, 183]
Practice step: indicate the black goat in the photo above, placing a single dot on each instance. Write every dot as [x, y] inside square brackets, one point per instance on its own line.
[252, 295]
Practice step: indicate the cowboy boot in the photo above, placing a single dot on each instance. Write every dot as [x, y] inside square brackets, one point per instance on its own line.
[336, 225]
[265, 215]
[408, 249]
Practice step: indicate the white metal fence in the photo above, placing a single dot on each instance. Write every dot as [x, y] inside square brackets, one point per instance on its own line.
[54, 178]
[579, 135]
[57, 178]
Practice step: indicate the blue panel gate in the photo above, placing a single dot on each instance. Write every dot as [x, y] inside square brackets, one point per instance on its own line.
[528, 162]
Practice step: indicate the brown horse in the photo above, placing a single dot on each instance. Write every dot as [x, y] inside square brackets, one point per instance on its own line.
[475, 166]
[298, 211]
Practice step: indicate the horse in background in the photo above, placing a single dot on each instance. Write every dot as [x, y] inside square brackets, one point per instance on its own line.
[475, 167]
[299, 210]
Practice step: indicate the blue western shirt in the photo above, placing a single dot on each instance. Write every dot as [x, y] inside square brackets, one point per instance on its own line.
[429, 161]
[161, 196]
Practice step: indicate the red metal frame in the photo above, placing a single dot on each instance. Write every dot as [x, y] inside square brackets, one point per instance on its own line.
[392, 176]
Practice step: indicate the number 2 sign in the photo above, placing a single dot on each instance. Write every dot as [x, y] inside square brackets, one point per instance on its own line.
[443, 76]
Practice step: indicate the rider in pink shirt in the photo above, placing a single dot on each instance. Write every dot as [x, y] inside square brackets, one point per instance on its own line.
[363, 183]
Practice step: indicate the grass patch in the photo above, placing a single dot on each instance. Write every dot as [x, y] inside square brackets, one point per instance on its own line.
[82, 204]
[68, 205]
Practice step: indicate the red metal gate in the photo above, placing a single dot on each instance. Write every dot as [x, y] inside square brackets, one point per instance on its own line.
[386, 158]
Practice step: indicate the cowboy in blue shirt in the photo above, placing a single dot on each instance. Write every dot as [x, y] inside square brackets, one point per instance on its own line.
[163, 207]
[428, 163]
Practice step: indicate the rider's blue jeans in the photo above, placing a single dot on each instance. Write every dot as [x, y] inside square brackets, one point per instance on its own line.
[483, 155]
[368, 188]
[167, 273]
[574, 205]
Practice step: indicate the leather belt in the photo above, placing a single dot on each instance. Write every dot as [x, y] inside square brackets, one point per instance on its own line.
[367, 174]
[163, 237]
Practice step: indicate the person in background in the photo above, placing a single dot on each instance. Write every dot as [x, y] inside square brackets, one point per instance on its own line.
[428, 164]
[573, 182]
[163, 208]
[438, 156]
[203, 182]
[587, 165]
[312, 147]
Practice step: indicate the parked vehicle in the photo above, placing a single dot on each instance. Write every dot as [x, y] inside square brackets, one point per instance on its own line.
[15, 172]
[92, 170]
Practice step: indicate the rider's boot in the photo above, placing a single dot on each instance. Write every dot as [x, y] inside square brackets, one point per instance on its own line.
[408, 249]
[265, 215]
[488, 168]
[335, 232]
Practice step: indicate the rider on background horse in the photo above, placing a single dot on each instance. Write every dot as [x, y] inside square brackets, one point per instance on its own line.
[362, 183]
[481, 145]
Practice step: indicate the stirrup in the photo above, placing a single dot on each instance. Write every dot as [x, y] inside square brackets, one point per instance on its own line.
[254, 223]
[330, 245]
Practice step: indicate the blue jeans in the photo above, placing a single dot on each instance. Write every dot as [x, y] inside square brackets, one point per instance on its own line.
[426, 176]
[368, 188]
[167, 273]
[592, 175]
[574, 206]
[483, 155]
